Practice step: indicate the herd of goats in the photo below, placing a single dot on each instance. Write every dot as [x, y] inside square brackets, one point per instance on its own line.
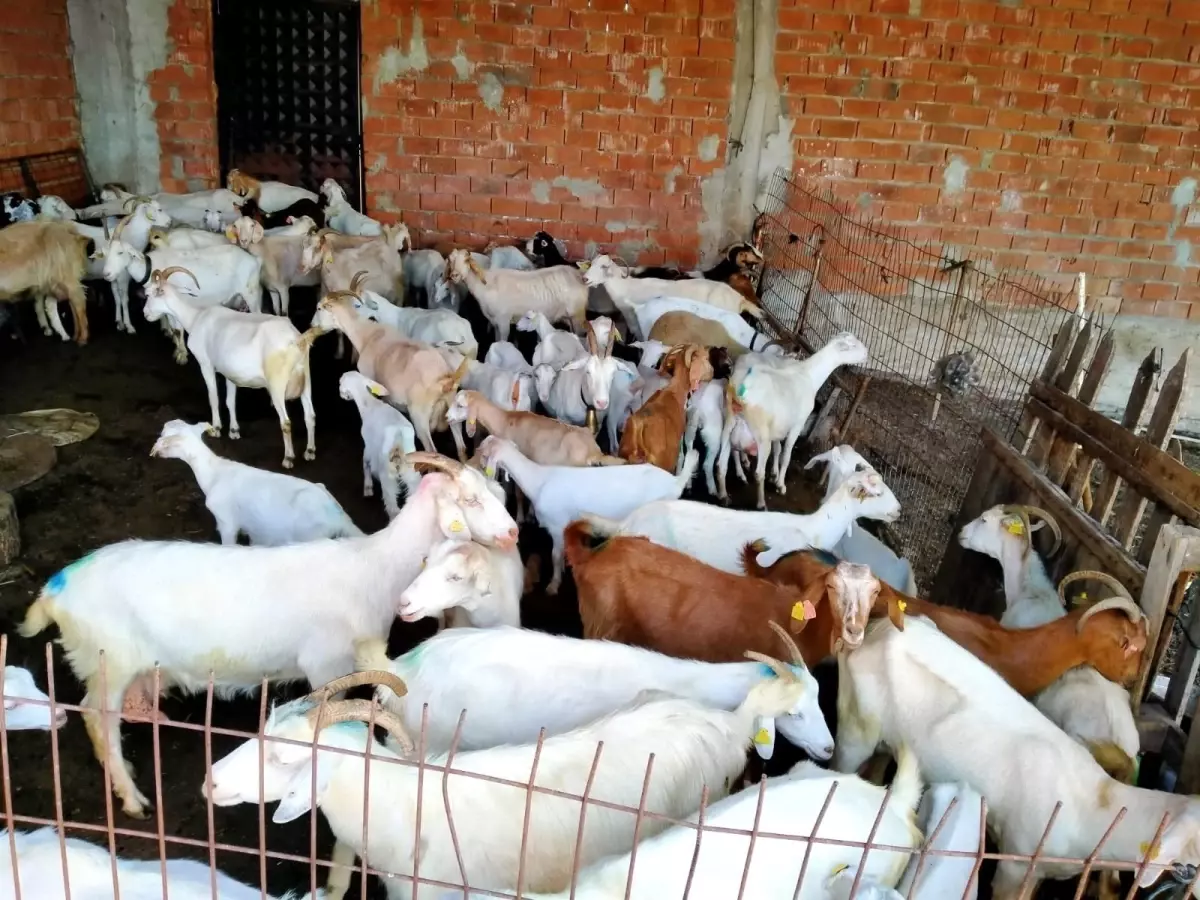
[702, 624]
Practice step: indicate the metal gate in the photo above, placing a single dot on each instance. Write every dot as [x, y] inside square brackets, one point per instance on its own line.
[287, 76]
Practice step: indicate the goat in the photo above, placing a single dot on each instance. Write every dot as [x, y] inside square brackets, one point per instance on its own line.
[560, 494]
[775, 396]
[555, 347]
[251, 350]
[91, 872]
[418, 378]
[506, 294]
[715, 536]
[468, 583]
[678, 326]
[26, 708]
[135, 231]
[437, 327]
[45, 259]
[55, 208]
[571, 392]
[706, 416]
[281, 256]
[505, 355]
[548, 251]
[918, 688]
[225, 599]
[185, 239]
[508, 390]
[201, 209]
[422, 269]
[640, 593]
[648, 312]
[501, 256]
[303, 209]
[654, 432]
[379, 257]
[343, 217]
[269, 508]
[384, 428]
[694, 747]
[15, 208]
[269, 196]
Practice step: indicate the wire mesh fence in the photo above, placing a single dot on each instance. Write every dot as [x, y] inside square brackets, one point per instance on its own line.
[726, 850]
[954, 345]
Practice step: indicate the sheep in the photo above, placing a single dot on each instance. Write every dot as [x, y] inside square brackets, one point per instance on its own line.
[300, 211]
[45, 258]
[506, 294]
[555, 347]
[627, 293]
[561, 494]
[280, 255]
[638, 592]
[504, 257]
[1109, 635]
[417, 377]
[422, 269]
[918, 688]
[514, 682]
[737, 856]
[251, 350]
[467, 583]
[654, 432]
[341, 216]
[384, 428]
[694, 747]
[223, 275]
[26, 708]
[223, 600]
[91, 872]
[269, 508]
[715, 536]
[508, 390]
[775, 395]
[437, 327]
[269, 196]
[859, 545]
[1085, 704]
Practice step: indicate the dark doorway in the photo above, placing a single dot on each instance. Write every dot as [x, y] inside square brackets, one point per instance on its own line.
[288, 103]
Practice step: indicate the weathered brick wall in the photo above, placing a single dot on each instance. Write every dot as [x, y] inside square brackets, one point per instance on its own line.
[37, 87]
[595, 121]
[1060, 135]
[185, 97]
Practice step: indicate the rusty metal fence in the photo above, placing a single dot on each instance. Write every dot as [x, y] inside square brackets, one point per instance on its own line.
[954, 344]
[310, 868]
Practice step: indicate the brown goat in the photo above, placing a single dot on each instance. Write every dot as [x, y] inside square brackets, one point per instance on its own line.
[637, 592]
[1104, 636]
[45, 259]
[653, 433]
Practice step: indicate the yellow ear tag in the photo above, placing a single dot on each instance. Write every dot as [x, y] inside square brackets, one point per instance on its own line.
[490, 471]
[901, 605]
[1017, 528]
[329, 259]
[456, 526]
[1144, 849]
[762, 737]
[424, 559]
[803, 610]
[374, 392]
[839, 869]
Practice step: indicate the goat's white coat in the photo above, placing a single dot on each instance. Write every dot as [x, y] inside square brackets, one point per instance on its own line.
[383, 429]
[341, 216]
[556, 347]
[20, 713]
[505, 295]
[474, 585]
[946, 876]
[437, 327]
[498, 384]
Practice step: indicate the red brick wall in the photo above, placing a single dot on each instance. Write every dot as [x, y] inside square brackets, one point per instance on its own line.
[1072, 124]
[186, 100]
[38, 112]
[577, 108]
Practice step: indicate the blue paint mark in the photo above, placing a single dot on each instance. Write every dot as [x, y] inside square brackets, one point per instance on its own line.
[822, 556]
[766, 671]
[58, 580]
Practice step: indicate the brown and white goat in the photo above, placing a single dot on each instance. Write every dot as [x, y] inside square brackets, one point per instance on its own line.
[45, 259]
[640, 593]
[1109, 636]
[654, 432]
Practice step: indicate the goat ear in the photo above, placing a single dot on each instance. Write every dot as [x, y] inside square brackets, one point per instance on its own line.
[1171, 846]
[574, 364]
[298, 799]
[896, 607]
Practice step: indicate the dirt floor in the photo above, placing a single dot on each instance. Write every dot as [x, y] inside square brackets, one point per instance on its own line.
[108, 489]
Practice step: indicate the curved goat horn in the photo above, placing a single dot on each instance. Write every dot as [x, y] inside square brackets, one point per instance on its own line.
[1124, 604]
[1118, 589]
[356, 282]
[775, 665]
[361, 711]
[1036, 512]
[165, 274]
[432, 462]
[358, 679]
[797, 658]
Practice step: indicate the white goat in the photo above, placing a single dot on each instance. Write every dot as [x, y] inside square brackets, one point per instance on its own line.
[251, 350]
[469, 584]
[281, 255]
[505, 257]
[384, 428]
[716, 536]
[859, 545]
[270, 508]
[706, 415]
[185, 239]
[436, 327]
[648, 312]
[958, 828]
[555, 347]
[920, 689]
[775, 395]
[506, 294]
[199, 208]
[26, 707]
[380, 258]
[505, 355]
[271, 196]
[422, 269]
[729, 861]
[1084, 703]
[224, 600]
[514, 391]
[694, 748]
[562, 494]
[55, 208]
[583, 383]
[341, 216]
[39, 856]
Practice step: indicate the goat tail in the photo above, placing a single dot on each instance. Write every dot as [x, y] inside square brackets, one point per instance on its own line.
[39, 617]
[575, 543]
[684, 478]
[906, 785]
[605, 460]
[601, 525]
[749, 558]
[1113, 760]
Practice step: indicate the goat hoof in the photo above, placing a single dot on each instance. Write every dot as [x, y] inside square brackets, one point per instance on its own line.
[235, 434]
[310, 455]
[288, 463]
[181, 359]
[136, 810]
[368, 492]
[552, 590]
